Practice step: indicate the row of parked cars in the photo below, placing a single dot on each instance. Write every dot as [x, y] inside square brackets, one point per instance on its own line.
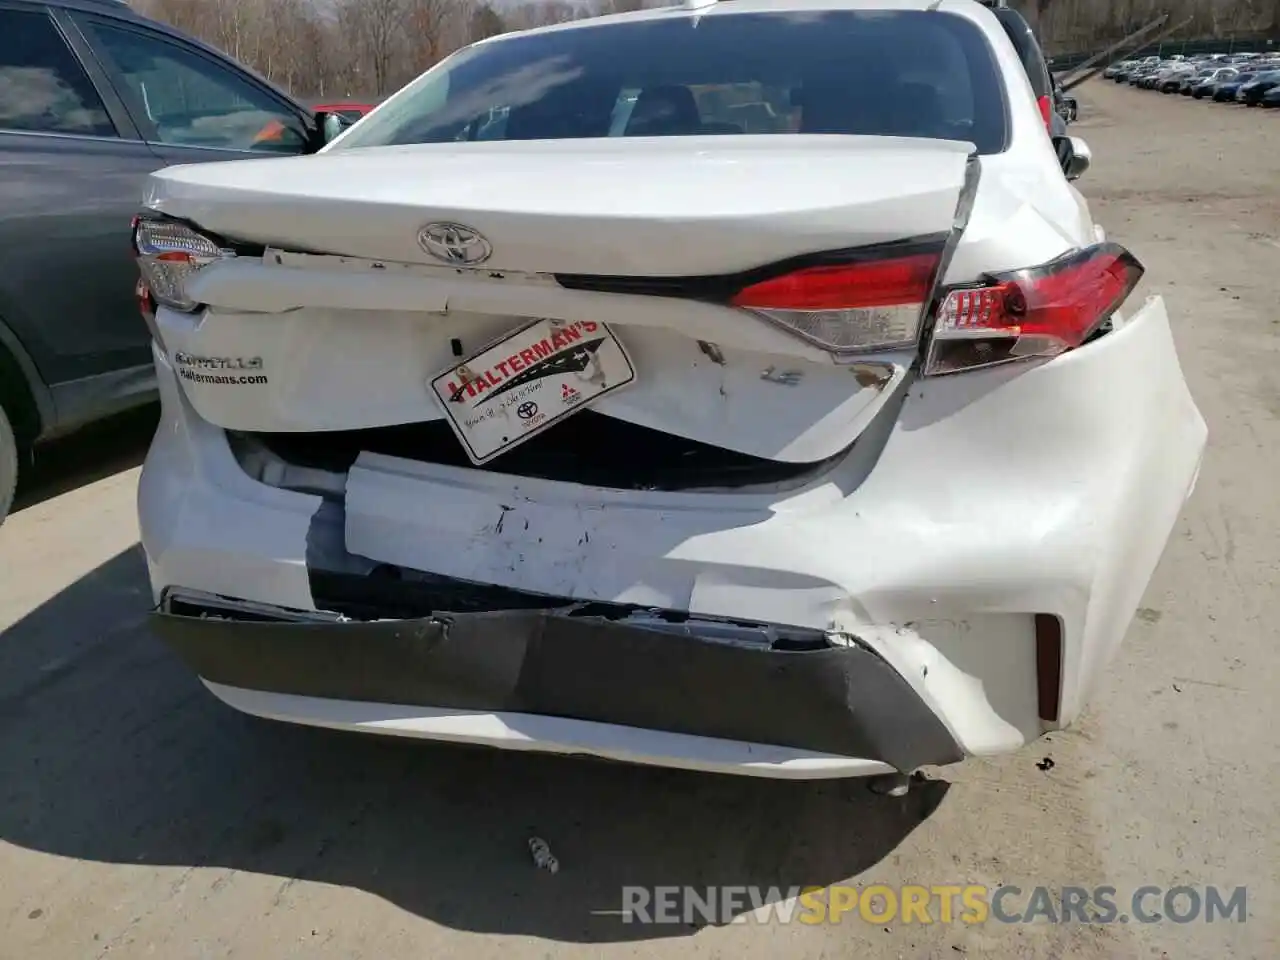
[1249, 78]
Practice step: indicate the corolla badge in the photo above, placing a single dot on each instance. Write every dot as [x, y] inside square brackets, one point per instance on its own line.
[218, 363]
[454, 243]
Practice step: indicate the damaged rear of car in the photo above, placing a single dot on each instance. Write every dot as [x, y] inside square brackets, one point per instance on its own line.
[608, 391]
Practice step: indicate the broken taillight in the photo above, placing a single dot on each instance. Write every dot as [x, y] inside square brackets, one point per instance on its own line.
[1036, 312]
[868, 304]
[169, 253]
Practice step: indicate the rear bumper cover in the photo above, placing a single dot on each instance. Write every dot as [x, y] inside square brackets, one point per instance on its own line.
[841, 700]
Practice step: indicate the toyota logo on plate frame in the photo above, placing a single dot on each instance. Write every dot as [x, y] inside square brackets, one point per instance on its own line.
[454, 243]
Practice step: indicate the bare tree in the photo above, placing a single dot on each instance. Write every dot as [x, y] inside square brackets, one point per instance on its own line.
[483, 23]
[544, 13]
[426, 27]
[374, 31]
[620, 6]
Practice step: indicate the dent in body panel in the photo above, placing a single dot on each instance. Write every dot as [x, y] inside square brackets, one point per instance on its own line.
[206, 524]
[977, 672]
[1009, 230]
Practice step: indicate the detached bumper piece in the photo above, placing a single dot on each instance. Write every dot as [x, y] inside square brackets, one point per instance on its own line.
[711, 678]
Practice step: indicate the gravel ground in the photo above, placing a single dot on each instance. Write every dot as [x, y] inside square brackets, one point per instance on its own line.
[138, 817]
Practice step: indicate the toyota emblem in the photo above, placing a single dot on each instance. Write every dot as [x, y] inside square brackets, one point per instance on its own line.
[527, 410]
[454, 243]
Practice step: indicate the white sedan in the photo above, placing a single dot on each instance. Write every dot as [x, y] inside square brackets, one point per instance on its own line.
[738, 387]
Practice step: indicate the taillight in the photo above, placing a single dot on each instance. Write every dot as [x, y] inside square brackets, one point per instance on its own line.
[169, 253]
[1046, 111]
[1037, 312]
[872, 303]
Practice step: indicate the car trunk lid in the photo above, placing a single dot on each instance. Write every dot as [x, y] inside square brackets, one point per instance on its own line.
[679, 255]
[636, 206]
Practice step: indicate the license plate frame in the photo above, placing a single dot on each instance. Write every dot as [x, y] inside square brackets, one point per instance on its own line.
[528, 381]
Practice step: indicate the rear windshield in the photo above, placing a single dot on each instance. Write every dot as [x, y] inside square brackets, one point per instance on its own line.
[880, 73]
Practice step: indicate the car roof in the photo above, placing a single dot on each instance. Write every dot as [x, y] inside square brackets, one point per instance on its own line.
[711, 8]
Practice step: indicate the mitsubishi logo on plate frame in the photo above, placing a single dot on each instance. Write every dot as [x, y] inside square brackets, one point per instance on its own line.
[454, 243]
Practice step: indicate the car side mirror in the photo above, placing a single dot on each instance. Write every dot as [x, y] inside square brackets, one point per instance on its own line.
[1074, 156]
[333, 124]
[327, 127]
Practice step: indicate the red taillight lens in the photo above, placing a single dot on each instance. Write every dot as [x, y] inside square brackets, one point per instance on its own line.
[869, 304]
[1037, 312]
[1046, 111]
[845, 286]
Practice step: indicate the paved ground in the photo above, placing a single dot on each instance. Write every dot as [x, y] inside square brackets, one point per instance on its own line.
[140, 818]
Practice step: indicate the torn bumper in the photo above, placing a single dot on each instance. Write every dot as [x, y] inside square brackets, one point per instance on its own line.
[988, 503]
[840, 700]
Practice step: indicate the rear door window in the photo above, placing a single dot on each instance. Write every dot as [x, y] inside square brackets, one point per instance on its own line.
[43, 88]
[873, 73]
[190, 100]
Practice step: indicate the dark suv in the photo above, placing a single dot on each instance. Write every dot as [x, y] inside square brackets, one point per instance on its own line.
[92, 98]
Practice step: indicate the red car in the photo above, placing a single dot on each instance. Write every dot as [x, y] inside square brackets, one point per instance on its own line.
[352, 111]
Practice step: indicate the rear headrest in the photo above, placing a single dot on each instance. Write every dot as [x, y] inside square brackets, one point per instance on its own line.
[917, 110]
[840, 109]
[664, 111]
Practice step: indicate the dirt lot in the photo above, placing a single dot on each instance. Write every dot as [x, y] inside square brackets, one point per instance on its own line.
[138, 817]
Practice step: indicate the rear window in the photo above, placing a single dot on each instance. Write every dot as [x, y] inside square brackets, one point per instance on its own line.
[878, 73]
